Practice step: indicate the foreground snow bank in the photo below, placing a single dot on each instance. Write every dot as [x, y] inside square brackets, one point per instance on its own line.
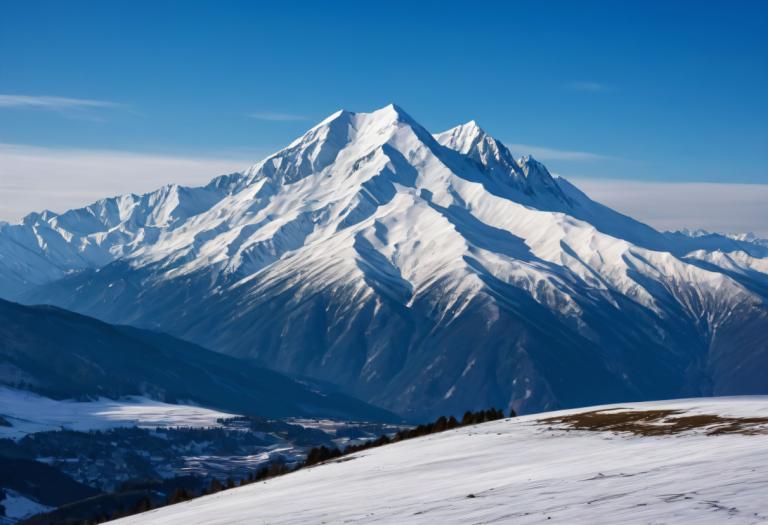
[523, 470]
[27, 413]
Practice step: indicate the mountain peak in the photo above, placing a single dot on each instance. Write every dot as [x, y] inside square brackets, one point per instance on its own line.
[466, 137]
[391, 113]
[471, 140]
[529, 164]
[526, 175]
[470, 128]
[394, 108]
[319, 147]
[539, 178]
[473, 128]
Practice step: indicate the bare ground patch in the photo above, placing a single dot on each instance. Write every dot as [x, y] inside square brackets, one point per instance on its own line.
[659, 422]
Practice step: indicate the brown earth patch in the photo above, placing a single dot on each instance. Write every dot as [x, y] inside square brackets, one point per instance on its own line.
[659, 422]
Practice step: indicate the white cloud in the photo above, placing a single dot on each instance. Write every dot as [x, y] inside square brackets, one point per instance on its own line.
[74, 108]
[52, 103]
[35, 178]
[592, 87]
[544, 153]
[720, 207]
[278, 117]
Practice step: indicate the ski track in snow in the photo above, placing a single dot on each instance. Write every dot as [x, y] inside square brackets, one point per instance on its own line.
[519, 471]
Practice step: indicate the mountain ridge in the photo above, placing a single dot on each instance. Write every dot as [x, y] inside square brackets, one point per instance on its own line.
[64, 355]
[435, 273]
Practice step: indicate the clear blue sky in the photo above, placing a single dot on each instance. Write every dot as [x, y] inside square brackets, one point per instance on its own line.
[653, 91]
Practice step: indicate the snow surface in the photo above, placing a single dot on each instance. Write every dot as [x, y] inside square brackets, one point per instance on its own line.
[332, 186]
[519, 471]
[18, 507]
[28, 413]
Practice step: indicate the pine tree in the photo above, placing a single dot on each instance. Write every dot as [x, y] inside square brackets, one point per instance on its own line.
[178, 496]
[216, 486]
[119, 512]
[275, 469]
[144, 504]
[262, 473]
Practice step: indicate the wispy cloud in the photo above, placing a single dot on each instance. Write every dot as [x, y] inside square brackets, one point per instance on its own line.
[592, 87]
[36, 178]
[74, 108]
[544, 153]
[720, 207]
[278, 117]
[52, 103]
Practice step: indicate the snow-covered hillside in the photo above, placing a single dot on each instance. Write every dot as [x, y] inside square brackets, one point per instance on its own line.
[26, 413]
[532, 469]
[18, 507]
[61, 355]
[424, 273]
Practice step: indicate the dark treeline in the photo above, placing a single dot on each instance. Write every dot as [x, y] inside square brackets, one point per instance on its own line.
[315, 456]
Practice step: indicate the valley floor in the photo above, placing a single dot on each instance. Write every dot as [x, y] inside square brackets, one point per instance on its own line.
[670, 463]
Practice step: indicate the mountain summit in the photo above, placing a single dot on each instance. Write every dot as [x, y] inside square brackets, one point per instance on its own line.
[424, 273]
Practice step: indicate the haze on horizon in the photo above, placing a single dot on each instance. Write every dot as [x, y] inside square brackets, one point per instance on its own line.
[667, 122]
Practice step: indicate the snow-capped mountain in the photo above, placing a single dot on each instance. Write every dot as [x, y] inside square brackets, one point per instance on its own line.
[424, 273]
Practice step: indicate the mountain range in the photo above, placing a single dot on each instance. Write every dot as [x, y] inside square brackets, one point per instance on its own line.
[63, 355]
[423, 273]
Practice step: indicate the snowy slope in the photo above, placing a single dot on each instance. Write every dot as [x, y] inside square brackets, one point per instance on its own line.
[18, 507]
[523, 470]
[27, 413]
[427, 274]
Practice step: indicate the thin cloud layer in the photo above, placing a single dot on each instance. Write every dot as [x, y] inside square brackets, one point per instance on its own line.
[592, 87]
[719, 207]
[52, 103]
[278, 117]
[35, 178]
[544, 153]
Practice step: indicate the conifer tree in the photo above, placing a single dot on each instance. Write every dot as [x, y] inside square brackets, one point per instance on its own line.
[216, 486]
[178, 496]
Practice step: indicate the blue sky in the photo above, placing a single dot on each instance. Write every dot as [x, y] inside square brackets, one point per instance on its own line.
[653, 91]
